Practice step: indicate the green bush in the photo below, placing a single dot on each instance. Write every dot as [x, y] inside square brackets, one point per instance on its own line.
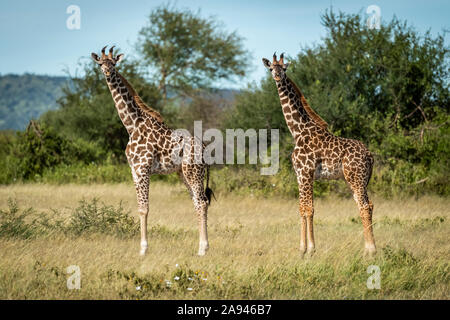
[25, 156]
[12, 223]
[8, 163]
[25, 224]
[81, 173]
[91, 217]
[38, 149]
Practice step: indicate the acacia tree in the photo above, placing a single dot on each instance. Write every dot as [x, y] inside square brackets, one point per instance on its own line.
[185, 51]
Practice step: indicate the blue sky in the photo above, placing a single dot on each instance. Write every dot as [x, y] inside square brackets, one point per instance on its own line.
[34, 37]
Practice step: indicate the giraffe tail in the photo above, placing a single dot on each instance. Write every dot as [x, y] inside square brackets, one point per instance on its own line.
[208, 190]
[372, 161]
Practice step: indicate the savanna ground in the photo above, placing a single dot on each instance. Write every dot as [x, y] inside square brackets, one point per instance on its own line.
[254, 246]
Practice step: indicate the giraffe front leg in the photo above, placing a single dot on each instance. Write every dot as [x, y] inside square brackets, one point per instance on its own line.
[307, 243]
[305, 185]
[302, 232]
[141, 182]
[309, 213]
[144, 244]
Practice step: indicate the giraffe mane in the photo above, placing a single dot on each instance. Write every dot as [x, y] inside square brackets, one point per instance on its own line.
[311, 113]
[141, 104]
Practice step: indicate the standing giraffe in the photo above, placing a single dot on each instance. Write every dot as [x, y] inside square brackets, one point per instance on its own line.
[153, 148]
[320, 154]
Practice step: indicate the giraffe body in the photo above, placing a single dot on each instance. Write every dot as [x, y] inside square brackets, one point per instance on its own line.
[154, 148]
[318, 154]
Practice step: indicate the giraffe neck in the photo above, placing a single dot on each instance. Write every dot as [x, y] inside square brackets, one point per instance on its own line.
[126, 107]
[296, 116]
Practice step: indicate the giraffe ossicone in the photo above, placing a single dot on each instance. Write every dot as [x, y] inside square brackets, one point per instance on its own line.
[151, 147]
[318, 154]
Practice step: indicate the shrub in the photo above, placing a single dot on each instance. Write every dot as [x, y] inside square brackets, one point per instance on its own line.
[28, 154]
[90, 217]
[26, 224]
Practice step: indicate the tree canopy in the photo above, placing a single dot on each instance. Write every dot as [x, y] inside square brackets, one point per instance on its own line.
[185, 51]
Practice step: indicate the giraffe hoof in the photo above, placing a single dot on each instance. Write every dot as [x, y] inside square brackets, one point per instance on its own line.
[302, 251]
[203, 248]
[144, 247]
[370, 249]
[370, 252]
[311, 251]
[201, 253]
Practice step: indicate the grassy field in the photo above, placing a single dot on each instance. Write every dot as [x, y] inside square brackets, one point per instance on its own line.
[254, 246]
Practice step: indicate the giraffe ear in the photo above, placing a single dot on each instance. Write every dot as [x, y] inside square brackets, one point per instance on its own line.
[286, 65]
[95, 58]
[266, 63]
[119, 58]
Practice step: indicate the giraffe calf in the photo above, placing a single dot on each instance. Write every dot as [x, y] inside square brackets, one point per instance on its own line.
[154, 148]
[318, 154]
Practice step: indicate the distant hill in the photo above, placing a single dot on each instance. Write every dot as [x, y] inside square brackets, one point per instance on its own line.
[25, 97]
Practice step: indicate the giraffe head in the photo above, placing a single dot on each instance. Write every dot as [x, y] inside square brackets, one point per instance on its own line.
[277, 68]
[107, 62]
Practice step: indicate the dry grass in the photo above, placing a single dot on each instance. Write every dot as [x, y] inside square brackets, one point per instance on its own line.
[253, 249]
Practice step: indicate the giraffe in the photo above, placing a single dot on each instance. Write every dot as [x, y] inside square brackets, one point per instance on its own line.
[154, 148]
[318, 154]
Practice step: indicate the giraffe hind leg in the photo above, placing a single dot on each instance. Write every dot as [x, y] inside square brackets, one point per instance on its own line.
[365, 207]
[193, 175]
[357, 174]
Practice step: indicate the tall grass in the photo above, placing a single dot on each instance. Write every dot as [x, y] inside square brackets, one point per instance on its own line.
[253, 246]
[404, 180]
